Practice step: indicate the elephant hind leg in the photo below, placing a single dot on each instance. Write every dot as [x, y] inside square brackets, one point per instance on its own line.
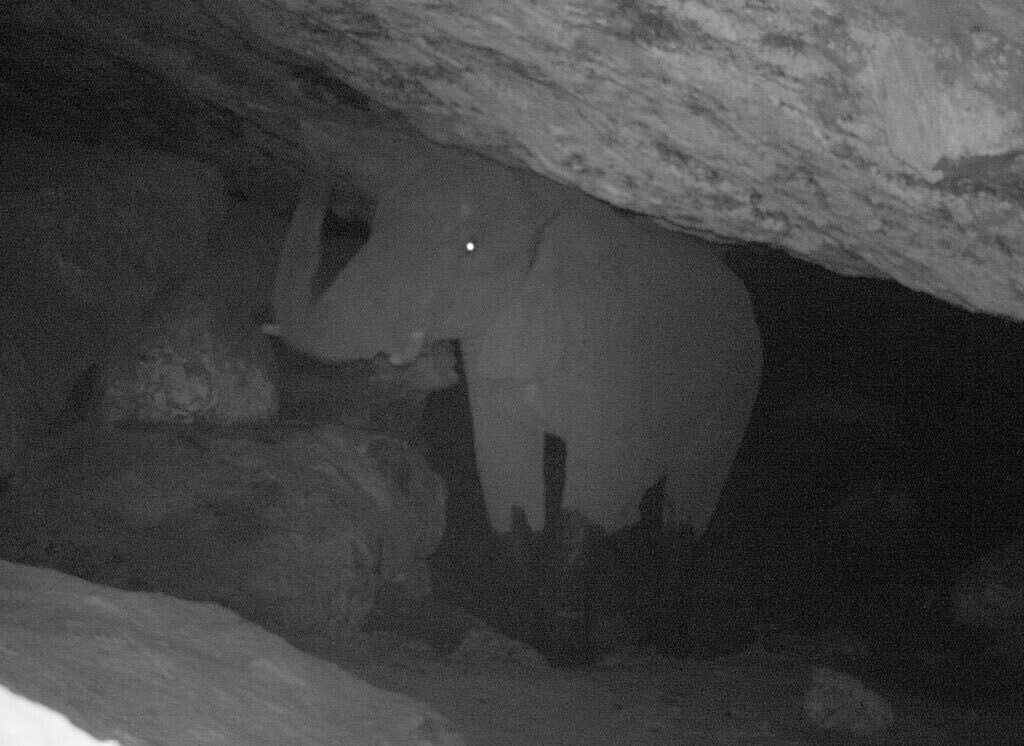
[706, 447]
[702, 426]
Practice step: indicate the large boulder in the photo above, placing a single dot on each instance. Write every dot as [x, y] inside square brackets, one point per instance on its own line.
[299, 529]
[92, 236]
[143, 668]
[189, 362]
[102, 229]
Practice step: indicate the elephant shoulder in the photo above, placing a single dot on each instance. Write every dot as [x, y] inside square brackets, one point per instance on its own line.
[524, 342]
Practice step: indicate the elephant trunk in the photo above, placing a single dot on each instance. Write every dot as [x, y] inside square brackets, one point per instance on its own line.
[354, 317]
[300, 259]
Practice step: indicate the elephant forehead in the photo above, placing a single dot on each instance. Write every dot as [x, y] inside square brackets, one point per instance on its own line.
[426, 204]
[464, 193]
[495, 223]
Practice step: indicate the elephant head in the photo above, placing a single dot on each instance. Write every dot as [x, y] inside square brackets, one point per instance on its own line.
[449, 245]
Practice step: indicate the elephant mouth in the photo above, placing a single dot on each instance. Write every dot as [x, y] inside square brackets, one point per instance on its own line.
[412, 349]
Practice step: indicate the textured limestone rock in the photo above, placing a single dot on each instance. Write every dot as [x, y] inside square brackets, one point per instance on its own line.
[874, 138]
[144, 668]
[189, 364]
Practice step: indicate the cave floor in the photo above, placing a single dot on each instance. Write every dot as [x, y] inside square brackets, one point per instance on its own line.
[498, 693]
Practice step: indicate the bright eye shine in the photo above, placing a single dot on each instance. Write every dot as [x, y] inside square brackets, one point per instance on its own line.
[470, 246]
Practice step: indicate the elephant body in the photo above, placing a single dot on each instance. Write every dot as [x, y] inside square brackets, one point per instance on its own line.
[636, 346]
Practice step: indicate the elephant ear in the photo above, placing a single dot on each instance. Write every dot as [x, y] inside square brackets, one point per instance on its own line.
[528, 338]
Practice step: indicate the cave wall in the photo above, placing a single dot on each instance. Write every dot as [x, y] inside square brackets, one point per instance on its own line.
[878, 138]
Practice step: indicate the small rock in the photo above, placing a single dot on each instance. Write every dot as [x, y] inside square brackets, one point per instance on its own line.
[189, 364]
[839, 702]
[485, 644]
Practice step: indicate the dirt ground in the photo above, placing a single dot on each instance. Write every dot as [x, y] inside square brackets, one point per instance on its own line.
[497, 692]
[150, 668]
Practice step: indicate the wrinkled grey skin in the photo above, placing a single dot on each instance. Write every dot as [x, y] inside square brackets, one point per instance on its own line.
[635, 345]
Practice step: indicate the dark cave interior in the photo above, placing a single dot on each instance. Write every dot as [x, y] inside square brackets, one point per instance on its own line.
[883, 460]
[873, 523]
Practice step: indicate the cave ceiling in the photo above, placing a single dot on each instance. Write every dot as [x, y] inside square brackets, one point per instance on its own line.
[875, 138]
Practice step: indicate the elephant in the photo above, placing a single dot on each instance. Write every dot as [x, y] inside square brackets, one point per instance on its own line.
[634, 344]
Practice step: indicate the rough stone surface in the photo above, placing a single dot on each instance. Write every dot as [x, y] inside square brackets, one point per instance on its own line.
[296, 528]
[100, 230]
[189, 364]
[92, 236]
[874, 138]
[144, 669]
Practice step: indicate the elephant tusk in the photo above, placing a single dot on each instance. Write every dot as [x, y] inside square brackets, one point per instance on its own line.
[271, 330]
[410, 352]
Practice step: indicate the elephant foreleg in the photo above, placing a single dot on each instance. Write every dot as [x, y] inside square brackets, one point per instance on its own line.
[509, 444]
